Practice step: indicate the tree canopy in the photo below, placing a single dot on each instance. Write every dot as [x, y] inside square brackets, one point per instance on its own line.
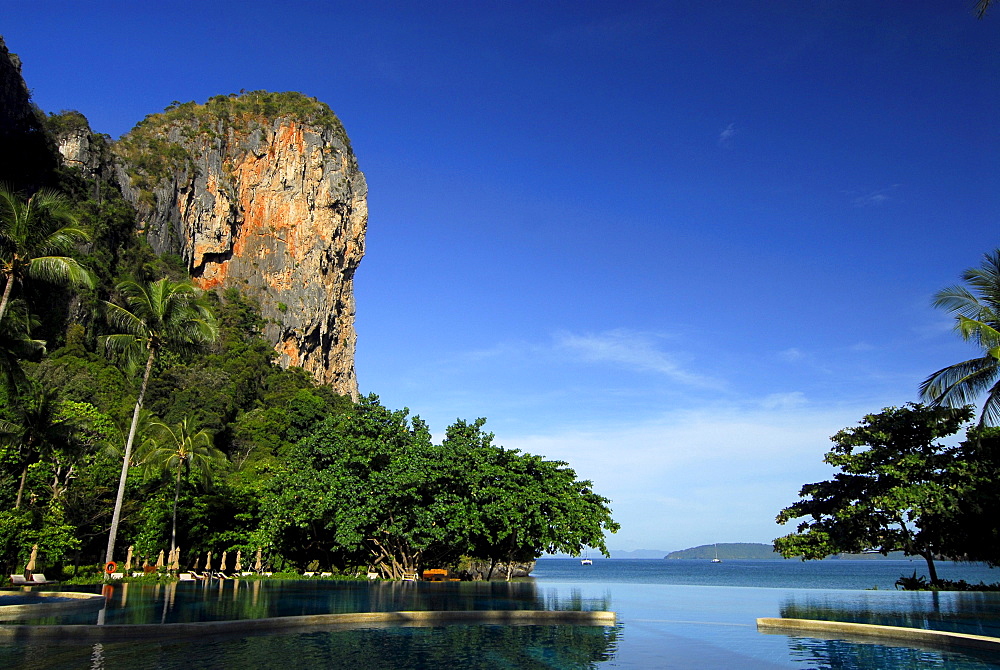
[899, 488]
[371, 486]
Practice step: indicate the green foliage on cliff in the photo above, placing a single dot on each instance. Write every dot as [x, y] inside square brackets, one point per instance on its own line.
[65, 122]
[156, 148]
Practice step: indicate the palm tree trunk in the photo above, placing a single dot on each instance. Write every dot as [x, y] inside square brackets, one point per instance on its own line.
[6, 296]
[177, 497]
[128, 454]
[20, 489]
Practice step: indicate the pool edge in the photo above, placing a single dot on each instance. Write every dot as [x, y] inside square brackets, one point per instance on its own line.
[935, 638]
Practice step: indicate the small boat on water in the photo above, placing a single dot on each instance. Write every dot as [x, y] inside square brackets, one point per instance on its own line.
[586, 561]
[717, 559]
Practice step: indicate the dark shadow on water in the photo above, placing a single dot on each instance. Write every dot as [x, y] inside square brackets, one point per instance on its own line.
[450, 647]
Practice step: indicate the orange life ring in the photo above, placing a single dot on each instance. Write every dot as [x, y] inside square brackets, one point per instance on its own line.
[110, 567]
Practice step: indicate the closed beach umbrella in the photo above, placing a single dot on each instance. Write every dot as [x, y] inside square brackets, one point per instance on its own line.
[222, 563]
[31, 561]
[257, 565]
[239, 560]
[159, 560]
[176, 562]
[128, 557]
[208, 561]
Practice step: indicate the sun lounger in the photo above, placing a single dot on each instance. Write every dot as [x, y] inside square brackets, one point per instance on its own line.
[185, 577]
[308, 574]
[117, 575]
[39, 578]
[18, 579]
[326, 574]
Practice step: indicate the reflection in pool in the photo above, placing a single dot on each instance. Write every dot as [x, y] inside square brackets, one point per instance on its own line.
[660, 625]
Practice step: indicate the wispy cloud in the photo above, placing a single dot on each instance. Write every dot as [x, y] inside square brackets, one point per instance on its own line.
[872, 198]
[784, 400]
[727, 135]
[635, 350]
[675, 481]
[791, 355]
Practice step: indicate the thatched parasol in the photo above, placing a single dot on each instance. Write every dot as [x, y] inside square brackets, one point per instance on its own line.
[31, 561]
[159, 560]
[208, 561]
[258, 565]
[222, 563]
[128, 557]
[197, 560]
[239, 561]
[175, 561]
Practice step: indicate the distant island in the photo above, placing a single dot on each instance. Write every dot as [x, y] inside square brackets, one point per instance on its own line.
[729, 551]
[735, 551]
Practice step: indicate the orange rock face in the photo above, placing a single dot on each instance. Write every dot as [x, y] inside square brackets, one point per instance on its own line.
[278, 210]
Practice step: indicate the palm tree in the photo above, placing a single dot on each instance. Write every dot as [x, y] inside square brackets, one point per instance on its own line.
[161, 314]
[16, 345]
[34, 238]
[180, 449]
[37, 429]
[976, 307]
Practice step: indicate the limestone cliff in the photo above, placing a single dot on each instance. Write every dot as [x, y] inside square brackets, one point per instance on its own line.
[27, 156]
[259, 191]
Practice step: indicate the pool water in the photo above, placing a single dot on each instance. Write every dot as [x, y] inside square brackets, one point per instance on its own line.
[659, 626]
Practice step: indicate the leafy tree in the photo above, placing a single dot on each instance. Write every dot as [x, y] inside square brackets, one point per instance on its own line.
[974, 528]
[182, 450]
[896, 490]
[34, 242]
[518, 506]
[372, 485]
[159, 315]
[977, 318]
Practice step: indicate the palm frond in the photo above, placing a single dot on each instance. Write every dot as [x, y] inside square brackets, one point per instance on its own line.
[958, 300]
[959, 384]
[61, 241]
[60, 269]
[124, 320]
[985, 335]
[991, 408]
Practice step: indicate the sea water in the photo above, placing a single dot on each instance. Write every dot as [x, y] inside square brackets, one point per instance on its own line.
[795, 574]
[671, 614]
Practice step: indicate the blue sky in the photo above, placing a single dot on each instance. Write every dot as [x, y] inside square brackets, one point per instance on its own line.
[677, 244]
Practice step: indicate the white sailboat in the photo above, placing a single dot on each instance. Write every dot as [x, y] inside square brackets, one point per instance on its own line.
[586, 559]
[717, 559]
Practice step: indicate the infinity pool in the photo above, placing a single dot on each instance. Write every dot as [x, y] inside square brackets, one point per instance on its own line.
[659, 625]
